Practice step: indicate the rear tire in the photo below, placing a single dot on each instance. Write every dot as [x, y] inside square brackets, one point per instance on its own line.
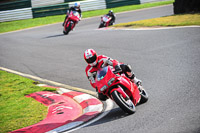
[126, 105]
[144, 95]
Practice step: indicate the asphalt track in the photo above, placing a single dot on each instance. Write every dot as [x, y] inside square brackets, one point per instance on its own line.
[166, 60]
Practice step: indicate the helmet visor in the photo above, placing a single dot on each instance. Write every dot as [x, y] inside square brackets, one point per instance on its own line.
[92, 59]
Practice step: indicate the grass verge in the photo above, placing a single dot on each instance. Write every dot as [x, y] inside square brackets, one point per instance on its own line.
[175, 20]
[16, 110]
[23, 24]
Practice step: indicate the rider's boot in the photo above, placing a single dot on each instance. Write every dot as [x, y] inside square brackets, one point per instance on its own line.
[135, 80]
[130, 74]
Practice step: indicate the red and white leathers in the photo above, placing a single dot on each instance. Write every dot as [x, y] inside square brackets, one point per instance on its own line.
[102, 60]
[96, 62]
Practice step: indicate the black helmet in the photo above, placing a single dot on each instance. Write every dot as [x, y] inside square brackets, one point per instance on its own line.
[111, 12]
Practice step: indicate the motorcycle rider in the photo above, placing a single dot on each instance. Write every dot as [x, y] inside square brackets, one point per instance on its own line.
[96, 62]
[77, 8]
[113, 17]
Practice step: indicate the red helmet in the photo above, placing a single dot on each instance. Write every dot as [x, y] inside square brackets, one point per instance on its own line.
[90, 57]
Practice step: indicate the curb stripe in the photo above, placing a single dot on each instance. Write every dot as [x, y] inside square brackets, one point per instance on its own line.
[89, 111]
[79, 121]
[73, 93]
[63, 91]
[66, 127]
[89, 102]
[91, 108]
[109, 104]
[85, 117]
[83, 97]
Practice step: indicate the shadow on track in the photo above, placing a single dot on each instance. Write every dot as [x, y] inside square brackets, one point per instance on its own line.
[55, 36]
[115, 114]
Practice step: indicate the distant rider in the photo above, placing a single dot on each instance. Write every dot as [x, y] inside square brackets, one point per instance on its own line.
[77, 8]
[113, 17]
[96, 62]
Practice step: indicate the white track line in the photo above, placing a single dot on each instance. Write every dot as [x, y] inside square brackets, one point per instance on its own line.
[145, 29]
[109, 104]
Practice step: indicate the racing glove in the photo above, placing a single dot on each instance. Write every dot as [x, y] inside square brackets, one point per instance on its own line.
[117, 69]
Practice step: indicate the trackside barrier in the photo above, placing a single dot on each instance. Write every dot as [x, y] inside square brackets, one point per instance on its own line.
[117, 3]
[15, 5]
[42, 8]
[17, 14]
[91, 5]
[62, 8]
[71, 0]
[146, 1]
[39, 3]
[50, 10]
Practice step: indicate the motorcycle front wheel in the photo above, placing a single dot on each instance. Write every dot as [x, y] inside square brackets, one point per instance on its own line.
[67, 29]
[65, 33]
[101, 25]
[126, 105]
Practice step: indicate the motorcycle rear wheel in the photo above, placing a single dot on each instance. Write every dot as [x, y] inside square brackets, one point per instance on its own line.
[126, 105]
[144, 95]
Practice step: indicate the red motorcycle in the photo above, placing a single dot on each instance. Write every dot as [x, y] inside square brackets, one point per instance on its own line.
[71, 21]
[105, 21]
[120, 89]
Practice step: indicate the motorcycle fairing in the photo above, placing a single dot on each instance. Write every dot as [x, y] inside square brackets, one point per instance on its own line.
[130, 89]
[73, 18]
[122, 84]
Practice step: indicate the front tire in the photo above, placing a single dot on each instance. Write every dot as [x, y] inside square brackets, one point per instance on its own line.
[126, 105]
[65, 33]
[67, 29]
[101, 25]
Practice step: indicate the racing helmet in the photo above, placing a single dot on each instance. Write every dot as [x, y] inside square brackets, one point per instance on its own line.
[77, 5]
[90, 57]
[110, 12]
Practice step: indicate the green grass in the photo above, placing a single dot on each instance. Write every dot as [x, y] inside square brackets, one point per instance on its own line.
[16, 110]
[174, 20]
[23, 24]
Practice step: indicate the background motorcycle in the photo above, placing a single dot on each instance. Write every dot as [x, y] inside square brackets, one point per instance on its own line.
[71, 21]
[120, 89]
[105, 21]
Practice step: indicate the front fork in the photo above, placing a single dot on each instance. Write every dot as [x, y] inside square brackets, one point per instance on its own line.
[134, 98]
[121, 91]
[72, 24]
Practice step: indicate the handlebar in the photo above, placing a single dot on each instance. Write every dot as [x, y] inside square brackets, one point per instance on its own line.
[115, 72]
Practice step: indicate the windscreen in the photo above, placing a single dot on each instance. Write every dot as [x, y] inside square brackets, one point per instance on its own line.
[75, 13]
[105, 18]
[101, 73]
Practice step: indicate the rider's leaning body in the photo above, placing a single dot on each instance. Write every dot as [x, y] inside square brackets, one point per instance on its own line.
[95, 62]
[77, 8]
